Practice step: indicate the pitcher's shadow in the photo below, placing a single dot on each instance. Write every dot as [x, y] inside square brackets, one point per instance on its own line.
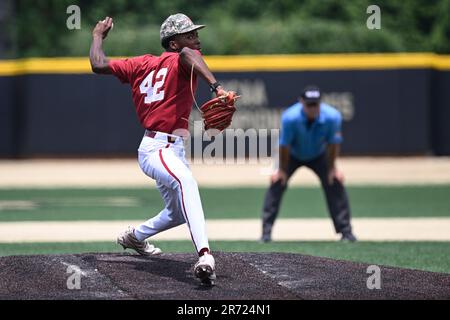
[178, 270]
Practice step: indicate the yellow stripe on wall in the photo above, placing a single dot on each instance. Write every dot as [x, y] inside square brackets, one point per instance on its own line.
[44, 66]
[328, 62]
[441, 62]
[303, 62]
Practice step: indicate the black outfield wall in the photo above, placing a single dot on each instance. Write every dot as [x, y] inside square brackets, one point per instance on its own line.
[440, 112]
[8, 113]
[389, 112]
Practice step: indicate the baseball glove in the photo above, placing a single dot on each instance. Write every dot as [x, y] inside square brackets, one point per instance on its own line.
[217, 113]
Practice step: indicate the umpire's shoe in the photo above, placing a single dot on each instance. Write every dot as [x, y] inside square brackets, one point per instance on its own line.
[204, 269]
[129, 240]
[266, 233]
[265, 238]
[348, 237]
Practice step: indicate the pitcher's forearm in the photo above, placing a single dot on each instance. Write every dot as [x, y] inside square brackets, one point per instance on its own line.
[98, 59]
[189, 58]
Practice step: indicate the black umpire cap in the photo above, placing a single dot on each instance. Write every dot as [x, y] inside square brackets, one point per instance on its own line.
[311, 94]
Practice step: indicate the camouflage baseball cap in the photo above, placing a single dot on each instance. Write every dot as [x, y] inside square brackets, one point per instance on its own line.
[177, 24]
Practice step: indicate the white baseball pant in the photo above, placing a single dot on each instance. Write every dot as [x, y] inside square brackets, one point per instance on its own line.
[166, 163]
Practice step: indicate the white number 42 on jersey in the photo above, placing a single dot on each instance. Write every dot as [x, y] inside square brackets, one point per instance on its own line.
[153, 92]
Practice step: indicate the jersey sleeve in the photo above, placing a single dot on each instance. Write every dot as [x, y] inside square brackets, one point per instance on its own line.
[287, 132]
[335, 133]
[122, 68]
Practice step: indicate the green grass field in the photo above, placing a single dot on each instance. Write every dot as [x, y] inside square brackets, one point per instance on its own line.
[238, 203]
[223, 203]
[430, 256]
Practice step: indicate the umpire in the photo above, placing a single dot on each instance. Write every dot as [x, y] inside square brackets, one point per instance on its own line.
[310, 136]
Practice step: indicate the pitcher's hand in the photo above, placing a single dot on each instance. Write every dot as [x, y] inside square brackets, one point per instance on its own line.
[102, 28]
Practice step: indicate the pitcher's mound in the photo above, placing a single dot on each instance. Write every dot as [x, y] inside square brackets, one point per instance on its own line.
[243, 276]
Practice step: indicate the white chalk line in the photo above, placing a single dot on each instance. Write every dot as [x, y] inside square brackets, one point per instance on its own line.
[366, 229]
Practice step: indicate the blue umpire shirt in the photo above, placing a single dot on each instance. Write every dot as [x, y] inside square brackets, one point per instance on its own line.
[309, 142]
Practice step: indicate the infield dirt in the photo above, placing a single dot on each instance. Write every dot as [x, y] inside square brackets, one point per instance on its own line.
[126, 173]
[246, 276]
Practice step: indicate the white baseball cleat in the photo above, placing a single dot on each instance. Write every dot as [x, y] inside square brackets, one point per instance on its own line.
[129, 240]
[204, 269]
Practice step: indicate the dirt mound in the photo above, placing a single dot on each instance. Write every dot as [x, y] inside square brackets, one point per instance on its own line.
[243, 276]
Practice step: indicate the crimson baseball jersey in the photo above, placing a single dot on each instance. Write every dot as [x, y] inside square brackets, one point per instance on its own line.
[160, 87]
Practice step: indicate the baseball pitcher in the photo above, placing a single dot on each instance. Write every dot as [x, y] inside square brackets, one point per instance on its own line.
[163, 89]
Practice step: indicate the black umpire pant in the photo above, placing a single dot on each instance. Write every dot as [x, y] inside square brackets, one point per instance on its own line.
[337, 199]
